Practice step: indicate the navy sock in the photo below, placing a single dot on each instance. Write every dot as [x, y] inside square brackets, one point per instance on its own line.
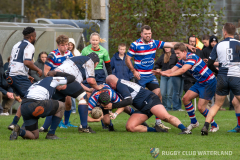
[55, 121]
[47, 122]
[181, 126]
[110, 123]
[150, 129]
[22, 133]
[67, 116]
[83, 113]
[102, 123]
[15, 120]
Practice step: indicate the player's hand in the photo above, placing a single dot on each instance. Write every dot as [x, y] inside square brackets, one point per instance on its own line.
[113, 115]
[205, 60]
[31, 78]
[99, 119]
[10, 95]
[156, 72]
[136, 75]
[90, 90]
[108, 106]
[40, 73]
[193, 49]
[165, 74]
[17, 98]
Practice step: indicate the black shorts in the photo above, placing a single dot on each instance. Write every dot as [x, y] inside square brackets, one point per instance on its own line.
[150, 102]
[32, 110]
[227, 83]
[73, 89]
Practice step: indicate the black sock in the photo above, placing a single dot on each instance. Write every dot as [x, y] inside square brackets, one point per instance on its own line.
[207, 125]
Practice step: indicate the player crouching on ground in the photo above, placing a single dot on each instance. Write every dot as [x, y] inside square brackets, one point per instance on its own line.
[146, 102]
[204, 88]
[102, 98]
[37, 103]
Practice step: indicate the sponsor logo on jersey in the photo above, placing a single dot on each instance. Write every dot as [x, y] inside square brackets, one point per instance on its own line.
[147, 62]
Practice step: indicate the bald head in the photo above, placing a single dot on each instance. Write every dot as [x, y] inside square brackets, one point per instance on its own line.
[111, 80]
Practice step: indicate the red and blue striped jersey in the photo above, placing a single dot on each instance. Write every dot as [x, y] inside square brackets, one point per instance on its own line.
[55, 58]
[144, 55]
[199, 69]
[93, 100]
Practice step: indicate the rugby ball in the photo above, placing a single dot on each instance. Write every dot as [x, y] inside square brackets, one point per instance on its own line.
[96, 112]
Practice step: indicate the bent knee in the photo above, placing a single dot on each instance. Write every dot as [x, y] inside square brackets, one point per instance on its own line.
[130, 128]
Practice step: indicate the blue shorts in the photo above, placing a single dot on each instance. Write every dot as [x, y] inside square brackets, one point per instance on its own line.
[20, 84]
[100, 78]
[205, 90]
[150, 82]
[227, 83]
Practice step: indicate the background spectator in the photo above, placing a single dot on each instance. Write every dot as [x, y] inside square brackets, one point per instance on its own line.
[5, 67]
[118, 65]
[40, 64]
[206, 52]
[205, 41]
[72, 47]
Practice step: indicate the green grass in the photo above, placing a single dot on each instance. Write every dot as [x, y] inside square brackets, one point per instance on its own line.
[122, 144]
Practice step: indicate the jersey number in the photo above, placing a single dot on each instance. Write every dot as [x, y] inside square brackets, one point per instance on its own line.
[229, 54]
[16, 54]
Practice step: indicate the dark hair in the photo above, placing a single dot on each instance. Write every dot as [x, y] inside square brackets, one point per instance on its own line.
[229, 28]
[145, 27]
[94, 57]
[28, 30]
[205, 37]
[62, 39]
[42, 53]
[104, 98]
[180, 46]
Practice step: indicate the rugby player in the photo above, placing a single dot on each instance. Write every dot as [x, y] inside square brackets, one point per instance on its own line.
[204, 88]
[143, 50]
[37, 103]
[227, 52]
[146, 102]
[20, 63]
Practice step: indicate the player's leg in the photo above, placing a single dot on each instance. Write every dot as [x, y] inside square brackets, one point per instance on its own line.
[57, 116]
[187, 101]
[236, 105]
[152, 85]
[160, 111]
[135, 121]
[107, 121]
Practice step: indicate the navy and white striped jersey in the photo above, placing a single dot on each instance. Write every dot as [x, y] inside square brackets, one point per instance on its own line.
[228, 54]
[82, 67]
[126, 89]
[21, 51]
[45, 88]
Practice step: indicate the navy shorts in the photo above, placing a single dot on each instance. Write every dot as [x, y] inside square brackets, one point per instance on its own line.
[206, 90]
[100, 78]
[20, 84]
[150, 102]
[227, 83]
[32, 110]
[73, 89]
[150, 82]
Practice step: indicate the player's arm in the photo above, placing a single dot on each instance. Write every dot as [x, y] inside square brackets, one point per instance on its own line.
[49, 63]
[107, 61]
[211, 60]
[171, 45]
[90, 119]
[157, 72]
[46, 69]
[128, 61]
[86, 88]
[31, 65]
[179, 71]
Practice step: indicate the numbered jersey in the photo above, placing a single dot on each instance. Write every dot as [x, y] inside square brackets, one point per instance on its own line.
[45, 88]
[21, 51]
[228, 54]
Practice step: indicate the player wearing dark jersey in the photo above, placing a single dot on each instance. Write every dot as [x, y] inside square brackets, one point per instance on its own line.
[20, 63]
[227, 52]
[37, 103]
[204, 88]
[146, 102]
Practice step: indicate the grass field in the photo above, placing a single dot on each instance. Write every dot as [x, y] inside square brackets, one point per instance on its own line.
[124, 145]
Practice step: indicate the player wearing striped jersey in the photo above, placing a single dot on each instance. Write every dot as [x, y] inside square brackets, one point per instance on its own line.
[227, 52]
[103, 97]
[146, 102]
[144, 50]
[204, 88]
[37, 103]
[55, 59]
[20, 63]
